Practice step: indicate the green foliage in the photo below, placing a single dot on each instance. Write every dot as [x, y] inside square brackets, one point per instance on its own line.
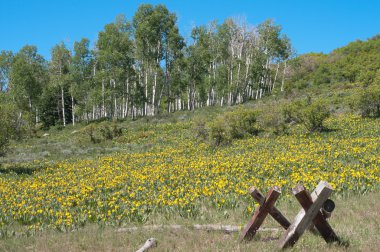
[13, 125]
[233, 125]
[311, 114]
[242, 122]
[357, 63]
[5, 129]
[90, 130]
[314, 115]
[219, 132]
[27, 77]
[273, 120]
[103, 131]
[6, 58]
[369, 103]
[200, 128]
[49, 113]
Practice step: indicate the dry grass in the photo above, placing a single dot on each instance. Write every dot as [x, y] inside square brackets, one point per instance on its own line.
[356, 220]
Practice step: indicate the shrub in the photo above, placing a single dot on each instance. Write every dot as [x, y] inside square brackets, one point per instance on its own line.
[200, 128]
[369, 102]
[291, 112]
[233, 125]
[218, 132]
[273, 119]
[106, 131]
[241, 122]
[90, 131]
[13, 125]
[311, 114]
[116, 130]
[103, 131]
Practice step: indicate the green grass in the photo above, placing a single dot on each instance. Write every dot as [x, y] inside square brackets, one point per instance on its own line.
[71, 142]
[355, 220]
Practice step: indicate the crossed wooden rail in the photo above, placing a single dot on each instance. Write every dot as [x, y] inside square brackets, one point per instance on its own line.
[315, 210]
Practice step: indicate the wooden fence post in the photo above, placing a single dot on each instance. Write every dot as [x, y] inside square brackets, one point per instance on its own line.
[307, 215]
[274, 212]
[319, 221]
[260, 214]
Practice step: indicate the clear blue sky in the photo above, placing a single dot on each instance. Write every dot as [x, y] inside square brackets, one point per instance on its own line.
[318, 26]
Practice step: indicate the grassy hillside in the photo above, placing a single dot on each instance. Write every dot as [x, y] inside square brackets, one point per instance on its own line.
[356, 65]
[170, 169]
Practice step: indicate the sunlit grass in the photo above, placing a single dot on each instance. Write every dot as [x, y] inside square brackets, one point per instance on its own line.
[176, 174]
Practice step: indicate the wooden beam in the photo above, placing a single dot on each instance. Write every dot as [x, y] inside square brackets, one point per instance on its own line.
[274, 212]
[319, 221]
[150, 243]
[260, 214]
[304, 218]
[205, 227]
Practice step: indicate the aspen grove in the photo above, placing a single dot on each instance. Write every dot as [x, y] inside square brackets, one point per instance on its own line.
[145, 66]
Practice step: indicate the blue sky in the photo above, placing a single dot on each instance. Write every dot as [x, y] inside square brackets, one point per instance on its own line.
[312, 26]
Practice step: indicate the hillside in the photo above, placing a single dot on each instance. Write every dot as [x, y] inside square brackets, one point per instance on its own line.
[356, 65]
[189, 167]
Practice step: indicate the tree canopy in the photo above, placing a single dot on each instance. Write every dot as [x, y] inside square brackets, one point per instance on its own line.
[144, 66]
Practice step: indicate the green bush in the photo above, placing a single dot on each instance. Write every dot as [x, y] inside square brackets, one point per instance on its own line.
[106, 131]
[116, 130]
[13, 125]
[273, 120]
[90, 130]
[218, 132]
[291, 111]
[242, 122]
[103, 131]
[311, 114]
[200, 128]
[233, 125]
[369, 102]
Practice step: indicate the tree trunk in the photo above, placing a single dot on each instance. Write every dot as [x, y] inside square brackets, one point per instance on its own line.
[103, 112]
[63, 107]
[37, 119]
[283, 78]
[231, 84]
[115, 114]
[30, 106]
[188, 99]
[127, 100]
[154, 92]
[72, 110]
[146, 93]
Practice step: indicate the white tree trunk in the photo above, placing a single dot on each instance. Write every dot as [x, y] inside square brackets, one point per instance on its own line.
[275, 76]
[63, 107]
[103, 112]
[188, 99]
[127, 100]
[283, 78]
[37, 117]
[72, 110]
[154, 92]
[146, 93]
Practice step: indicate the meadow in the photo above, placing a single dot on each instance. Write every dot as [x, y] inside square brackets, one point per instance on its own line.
[158, 168]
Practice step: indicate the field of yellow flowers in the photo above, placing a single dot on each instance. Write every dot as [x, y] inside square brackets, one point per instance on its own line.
[184, 174]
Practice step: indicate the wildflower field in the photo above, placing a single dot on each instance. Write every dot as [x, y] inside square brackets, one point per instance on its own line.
[177, 174]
